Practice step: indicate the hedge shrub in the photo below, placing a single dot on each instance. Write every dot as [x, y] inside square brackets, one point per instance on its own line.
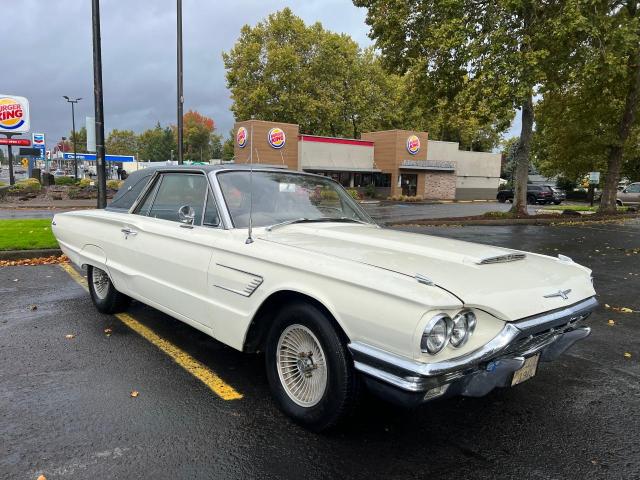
[65, 181]
[115, 184]
[28, 185]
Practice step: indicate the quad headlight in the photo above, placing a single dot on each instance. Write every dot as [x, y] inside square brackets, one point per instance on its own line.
[442, 329]
[464, 323]
[436, 334]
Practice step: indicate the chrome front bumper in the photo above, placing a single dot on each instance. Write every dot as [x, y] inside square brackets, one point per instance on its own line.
[477, 373]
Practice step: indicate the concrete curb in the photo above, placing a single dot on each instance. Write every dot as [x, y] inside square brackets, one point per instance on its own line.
[22, 254]
[510, 221]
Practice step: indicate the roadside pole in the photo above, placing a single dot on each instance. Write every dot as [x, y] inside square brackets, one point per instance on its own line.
[180, 99]
[12, 179]
[98, 105]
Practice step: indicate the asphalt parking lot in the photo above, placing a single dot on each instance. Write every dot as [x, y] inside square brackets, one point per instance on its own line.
[66, 409]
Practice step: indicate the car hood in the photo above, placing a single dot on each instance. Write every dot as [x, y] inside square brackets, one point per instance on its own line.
[511, 290]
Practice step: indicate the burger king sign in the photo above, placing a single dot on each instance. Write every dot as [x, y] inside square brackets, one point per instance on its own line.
[276, 137]
[413, 144]
[14, 114]
[241, 137]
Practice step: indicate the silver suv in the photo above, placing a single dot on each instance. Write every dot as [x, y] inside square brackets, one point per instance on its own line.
[630, 195]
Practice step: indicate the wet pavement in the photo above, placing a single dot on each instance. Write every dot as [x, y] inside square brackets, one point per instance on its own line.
[66, 410]
[402, 212]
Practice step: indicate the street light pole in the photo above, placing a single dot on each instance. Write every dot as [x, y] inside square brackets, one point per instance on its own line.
[180, 85]
[98, 105]
[73, 102]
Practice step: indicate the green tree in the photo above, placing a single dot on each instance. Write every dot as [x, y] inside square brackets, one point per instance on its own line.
[81, 139]
[589, 120]
[216, 146]
[122, 142]
[283, 70]
[477, 60]
[156, 144]
[228, 147]
[198, 131]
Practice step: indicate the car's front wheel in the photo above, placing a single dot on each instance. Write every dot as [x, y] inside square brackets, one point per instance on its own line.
[309, 368]
[104, 295]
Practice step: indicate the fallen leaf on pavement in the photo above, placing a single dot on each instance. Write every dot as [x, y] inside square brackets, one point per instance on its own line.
[33, 307]
[621, 309]
[42, 477]
[627, 355]
[70, 336]
[612, 322]
[134, 393]
[108, 331]
[606, 305]
[34, 261]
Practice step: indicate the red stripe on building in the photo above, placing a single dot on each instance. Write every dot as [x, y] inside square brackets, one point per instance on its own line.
[342, 141]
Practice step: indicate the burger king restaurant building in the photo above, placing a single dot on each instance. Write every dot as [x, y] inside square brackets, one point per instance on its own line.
[395, 162]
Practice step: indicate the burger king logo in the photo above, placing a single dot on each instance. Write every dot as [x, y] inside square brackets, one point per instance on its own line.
[13, 114]
[241, 137]
[413, 144]
[276, 137]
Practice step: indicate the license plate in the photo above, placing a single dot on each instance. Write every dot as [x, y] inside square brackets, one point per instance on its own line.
[527, 370]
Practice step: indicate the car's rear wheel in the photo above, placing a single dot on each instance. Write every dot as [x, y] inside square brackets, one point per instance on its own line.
[502, 199]
[531, 200]
[619, 203]
[309, 368]
[104, 295]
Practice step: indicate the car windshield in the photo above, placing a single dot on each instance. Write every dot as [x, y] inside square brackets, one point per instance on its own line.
[280, 197]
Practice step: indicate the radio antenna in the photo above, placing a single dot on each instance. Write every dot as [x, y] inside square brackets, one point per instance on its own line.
[249, 237]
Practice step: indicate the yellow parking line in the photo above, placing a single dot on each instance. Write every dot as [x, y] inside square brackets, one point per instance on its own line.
[182, 358]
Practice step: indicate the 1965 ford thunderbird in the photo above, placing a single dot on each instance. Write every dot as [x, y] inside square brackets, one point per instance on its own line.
[286, 263]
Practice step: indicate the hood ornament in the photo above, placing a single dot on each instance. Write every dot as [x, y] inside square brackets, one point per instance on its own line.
[560, 293]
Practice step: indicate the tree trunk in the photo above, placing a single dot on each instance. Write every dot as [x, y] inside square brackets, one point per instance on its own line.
[522, 159]
[614, 162]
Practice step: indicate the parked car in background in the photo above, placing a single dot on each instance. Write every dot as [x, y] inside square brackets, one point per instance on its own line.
[287, 263]
[535, 194]
[559, 195]
[630, 195]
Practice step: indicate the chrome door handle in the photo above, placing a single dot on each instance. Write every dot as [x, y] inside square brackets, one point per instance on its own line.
[127, 231]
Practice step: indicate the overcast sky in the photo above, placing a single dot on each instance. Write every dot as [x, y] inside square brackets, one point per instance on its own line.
[51, 56]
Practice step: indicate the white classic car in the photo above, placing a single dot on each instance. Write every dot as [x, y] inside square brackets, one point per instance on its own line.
[286, 263]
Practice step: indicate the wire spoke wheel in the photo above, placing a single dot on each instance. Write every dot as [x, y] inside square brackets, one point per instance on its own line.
[301, 365]
[100, 281]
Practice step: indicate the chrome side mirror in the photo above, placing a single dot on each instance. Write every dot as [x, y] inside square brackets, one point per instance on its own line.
[186, 214]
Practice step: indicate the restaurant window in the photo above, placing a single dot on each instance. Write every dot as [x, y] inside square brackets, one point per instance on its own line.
[382, 180]
[344, 179]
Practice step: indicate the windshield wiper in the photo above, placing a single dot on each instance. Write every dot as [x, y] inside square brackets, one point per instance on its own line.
[311, 220]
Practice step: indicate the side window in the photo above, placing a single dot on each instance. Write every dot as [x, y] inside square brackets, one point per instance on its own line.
[174, 191]
[635, 188]
[145, 206]
[125, 198]
[211, 216]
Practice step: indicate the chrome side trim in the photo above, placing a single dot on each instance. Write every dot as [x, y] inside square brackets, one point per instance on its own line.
[248, 289]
